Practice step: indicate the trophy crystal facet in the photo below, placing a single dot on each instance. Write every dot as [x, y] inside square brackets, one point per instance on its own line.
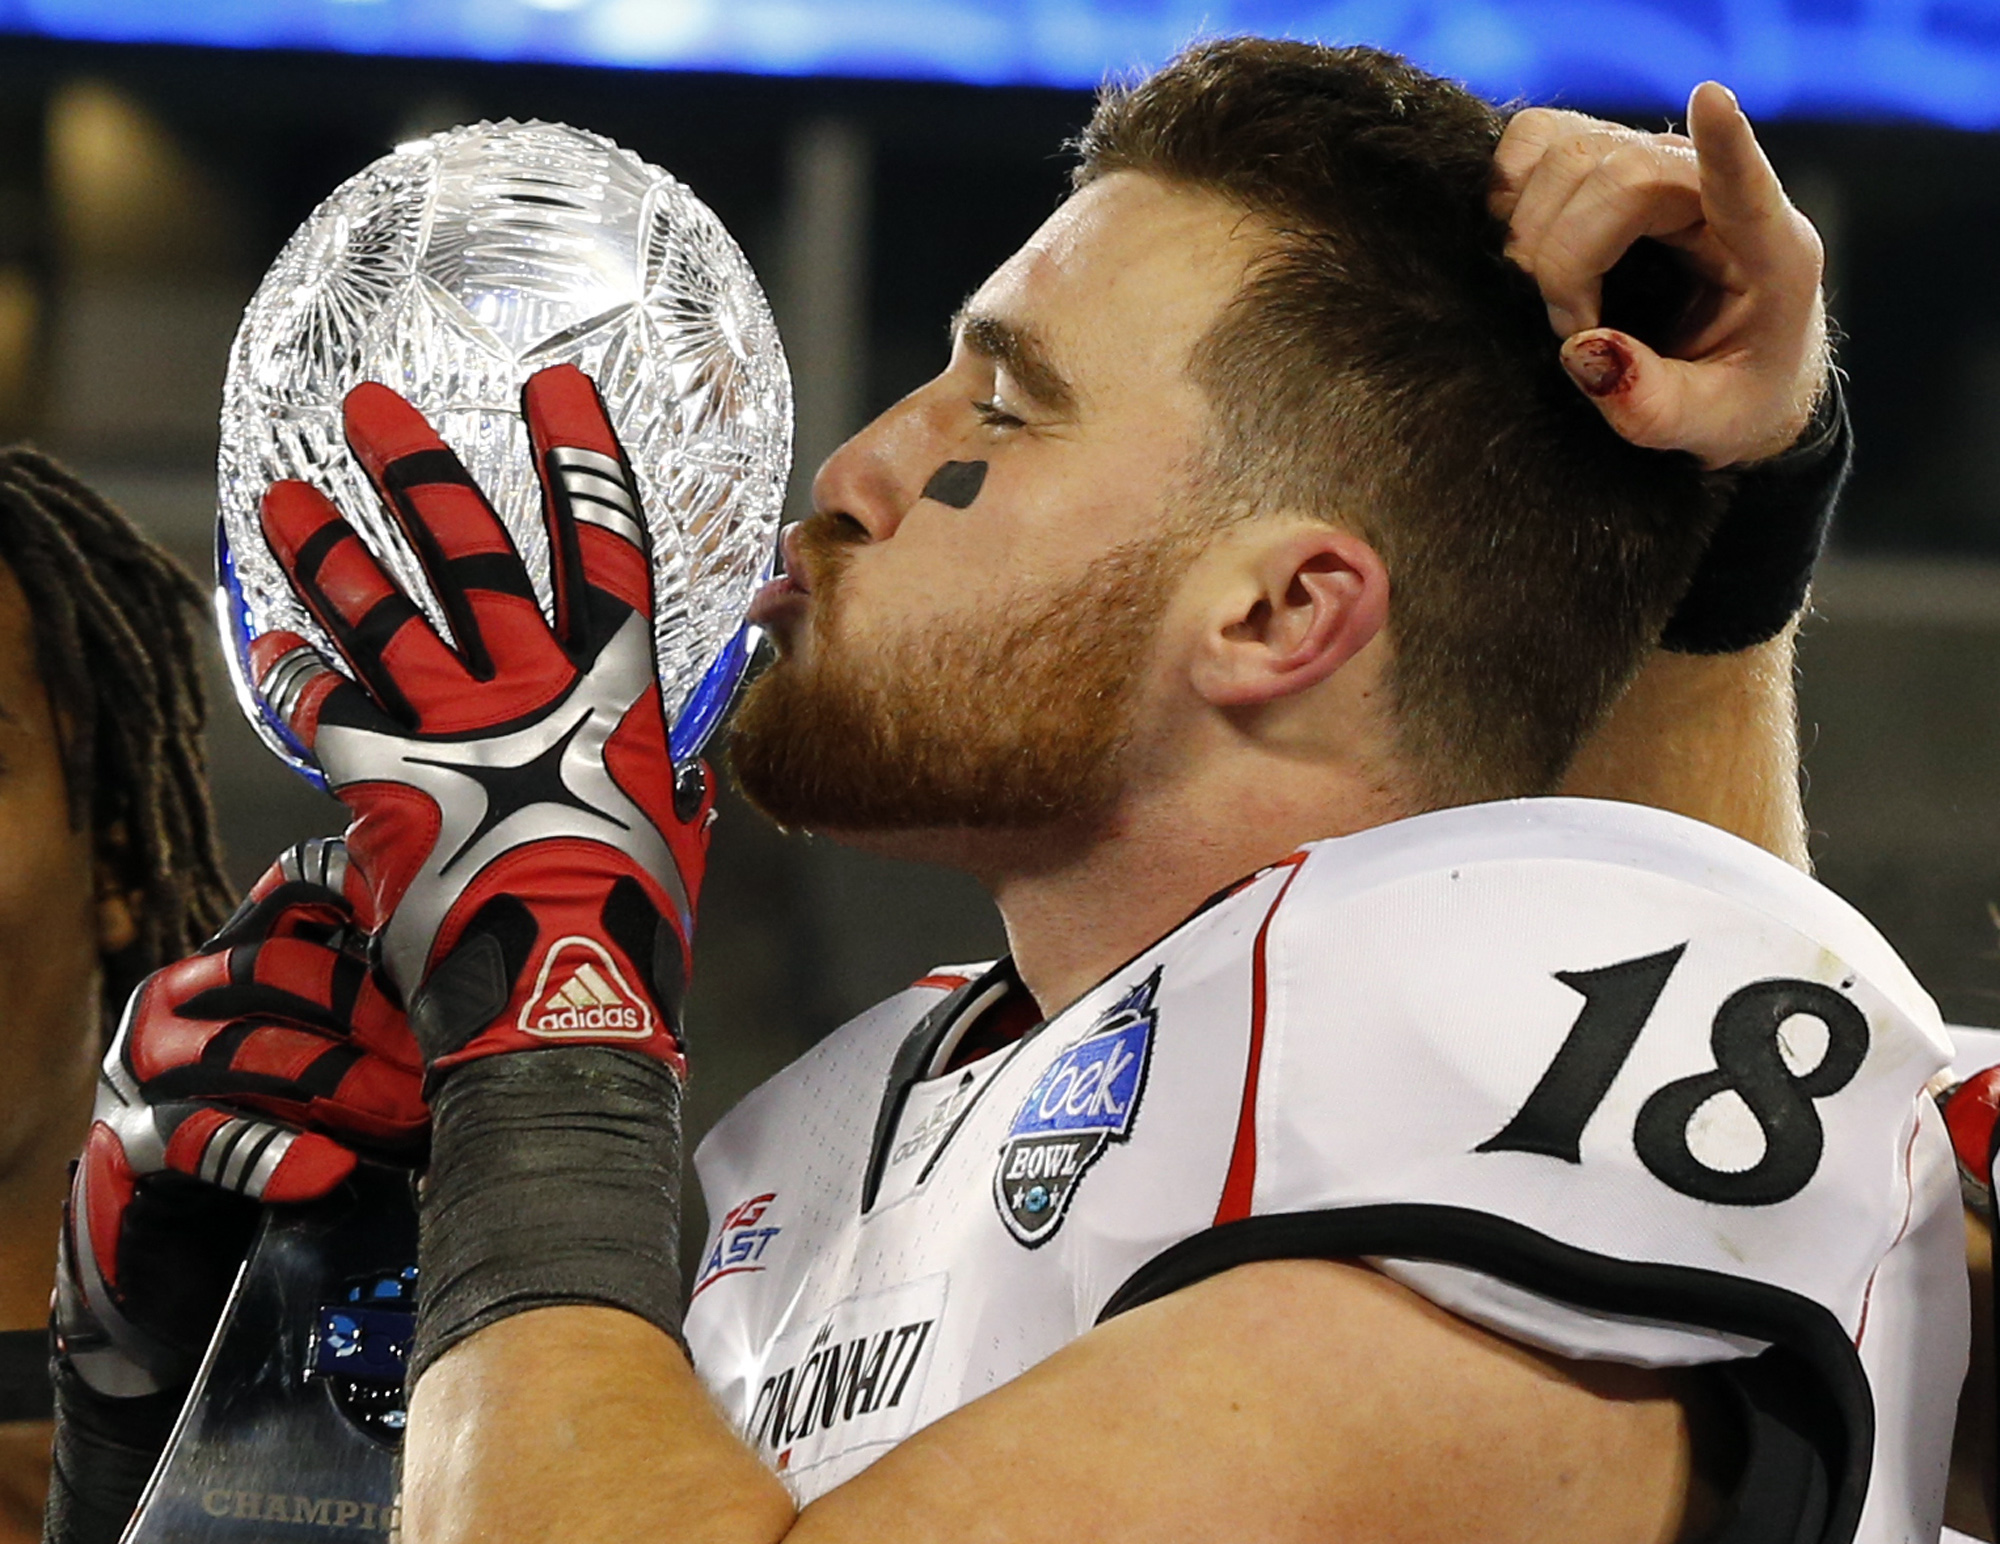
[451, 271]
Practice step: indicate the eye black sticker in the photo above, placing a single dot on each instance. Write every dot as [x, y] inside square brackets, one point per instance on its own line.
[956, 483]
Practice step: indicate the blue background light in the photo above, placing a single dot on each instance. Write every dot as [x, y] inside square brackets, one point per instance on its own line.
[1936, 59]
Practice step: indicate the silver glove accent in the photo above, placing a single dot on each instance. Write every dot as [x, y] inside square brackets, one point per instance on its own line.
[289, 676]
[596, 809]
[319, 860]
[599, 493]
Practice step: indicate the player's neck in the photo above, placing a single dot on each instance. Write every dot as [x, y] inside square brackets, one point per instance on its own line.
[1078, 908]
[1207, 798]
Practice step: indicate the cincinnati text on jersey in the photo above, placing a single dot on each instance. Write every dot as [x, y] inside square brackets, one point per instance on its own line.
[853, 1383]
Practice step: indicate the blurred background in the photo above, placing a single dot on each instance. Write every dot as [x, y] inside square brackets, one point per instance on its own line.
[875, 160]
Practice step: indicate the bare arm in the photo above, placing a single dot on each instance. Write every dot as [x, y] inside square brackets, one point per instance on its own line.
[1296, 1400]
[578, 1423]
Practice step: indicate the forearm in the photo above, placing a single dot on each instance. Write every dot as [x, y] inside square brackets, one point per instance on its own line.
[578, 1423]
[1710, 736]
[551, 1399]
[1287, 1401]
[1709, 729]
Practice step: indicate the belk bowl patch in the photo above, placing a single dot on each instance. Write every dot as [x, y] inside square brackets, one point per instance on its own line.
[1084, 1101]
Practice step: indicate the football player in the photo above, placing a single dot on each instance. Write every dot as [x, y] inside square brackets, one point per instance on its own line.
[108, 868]
[1356, 1142]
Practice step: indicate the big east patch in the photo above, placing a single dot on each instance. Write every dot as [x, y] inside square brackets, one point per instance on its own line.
[1084, 1101]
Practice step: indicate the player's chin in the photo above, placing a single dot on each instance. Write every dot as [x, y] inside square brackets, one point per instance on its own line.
[798, 758]
[765, 759]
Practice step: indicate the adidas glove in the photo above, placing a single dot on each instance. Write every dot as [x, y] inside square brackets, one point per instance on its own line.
[254, 1071]
[528, 861]
[522, 857]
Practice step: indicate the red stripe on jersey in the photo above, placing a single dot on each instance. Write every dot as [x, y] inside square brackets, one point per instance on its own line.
[1241, 1181]
[940, 983]
[1909, 1210]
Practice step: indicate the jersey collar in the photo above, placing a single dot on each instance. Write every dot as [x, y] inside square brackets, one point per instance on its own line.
[925, 1049]
[928, 1045]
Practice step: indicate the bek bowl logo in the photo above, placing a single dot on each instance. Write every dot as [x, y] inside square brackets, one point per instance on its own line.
[1084, 1102]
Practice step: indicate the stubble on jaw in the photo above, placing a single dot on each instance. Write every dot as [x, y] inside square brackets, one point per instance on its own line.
[1015, 721]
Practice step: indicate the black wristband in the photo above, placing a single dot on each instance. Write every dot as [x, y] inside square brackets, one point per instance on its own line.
[105, 1451]
[1754, 576]
[555, 1177]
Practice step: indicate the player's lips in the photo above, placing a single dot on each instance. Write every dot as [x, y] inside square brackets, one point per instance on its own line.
[777, 599]
[784, 595]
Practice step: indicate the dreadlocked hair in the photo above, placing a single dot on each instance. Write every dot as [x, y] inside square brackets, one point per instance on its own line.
[115, 622]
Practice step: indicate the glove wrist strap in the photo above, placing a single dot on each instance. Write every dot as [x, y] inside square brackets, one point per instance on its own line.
[554, 1178]
[1753, 578]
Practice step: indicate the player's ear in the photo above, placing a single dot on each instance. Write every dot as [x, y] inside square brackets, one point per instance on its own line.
[1294, 601]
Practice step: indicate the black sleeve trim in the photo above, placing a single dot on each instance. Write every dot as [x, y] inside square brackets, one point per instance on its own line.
[1808, 1403]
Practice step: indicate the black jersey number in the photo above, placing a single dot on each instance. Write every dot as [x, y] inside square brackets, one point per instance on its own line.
[1617, 1002]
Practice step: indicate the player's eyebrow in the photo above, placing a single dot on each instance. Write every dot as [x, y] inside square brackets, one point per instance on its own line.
[1020, 351]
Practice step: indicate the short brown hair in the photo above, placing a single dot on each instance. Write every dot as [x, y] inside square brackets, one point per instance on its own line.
[1386, 368]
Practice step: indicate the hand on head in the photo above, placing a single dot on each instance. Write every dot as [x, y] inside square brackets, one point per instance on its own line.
[1739, 382]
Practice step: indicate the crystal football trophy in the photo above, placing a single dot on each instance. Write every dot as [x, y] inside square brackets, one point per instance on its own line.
[451, 271]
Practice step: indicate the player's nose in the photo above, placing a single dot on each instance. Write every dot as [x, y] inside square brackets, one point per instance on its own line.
[874, 478]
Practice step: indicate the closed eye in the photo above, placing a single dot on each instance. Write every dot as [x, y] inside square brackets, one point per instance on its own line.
[994, 416]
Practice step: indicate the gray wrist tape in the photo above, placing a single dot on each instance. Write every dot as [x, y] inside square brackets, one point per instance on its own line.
[554, 1178]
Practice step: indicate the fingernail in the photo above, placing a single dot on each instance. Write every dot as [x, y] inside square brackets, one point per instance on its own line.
[1598, 365]
[1719, 86]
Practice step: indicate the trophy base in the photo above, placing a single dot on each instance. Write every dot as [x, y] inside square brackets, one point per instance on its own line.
[294, 1425]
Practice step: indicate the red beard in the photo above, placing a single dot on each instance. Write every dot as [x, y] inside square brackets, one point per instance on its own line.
[1016, 722]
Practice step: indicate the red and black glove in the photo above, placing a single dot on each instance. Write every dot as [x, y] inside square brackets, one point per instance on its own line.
[1972, 1116]
[253, 1072]
[527, 859]
[524, 859]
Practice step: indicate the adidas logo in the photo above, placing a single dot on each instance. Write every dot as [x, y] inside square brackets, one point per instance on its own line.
[580, 993]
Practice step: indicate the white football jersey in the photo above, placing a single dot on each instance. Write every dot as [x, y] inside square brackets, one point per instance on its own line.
[1599, 1078]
